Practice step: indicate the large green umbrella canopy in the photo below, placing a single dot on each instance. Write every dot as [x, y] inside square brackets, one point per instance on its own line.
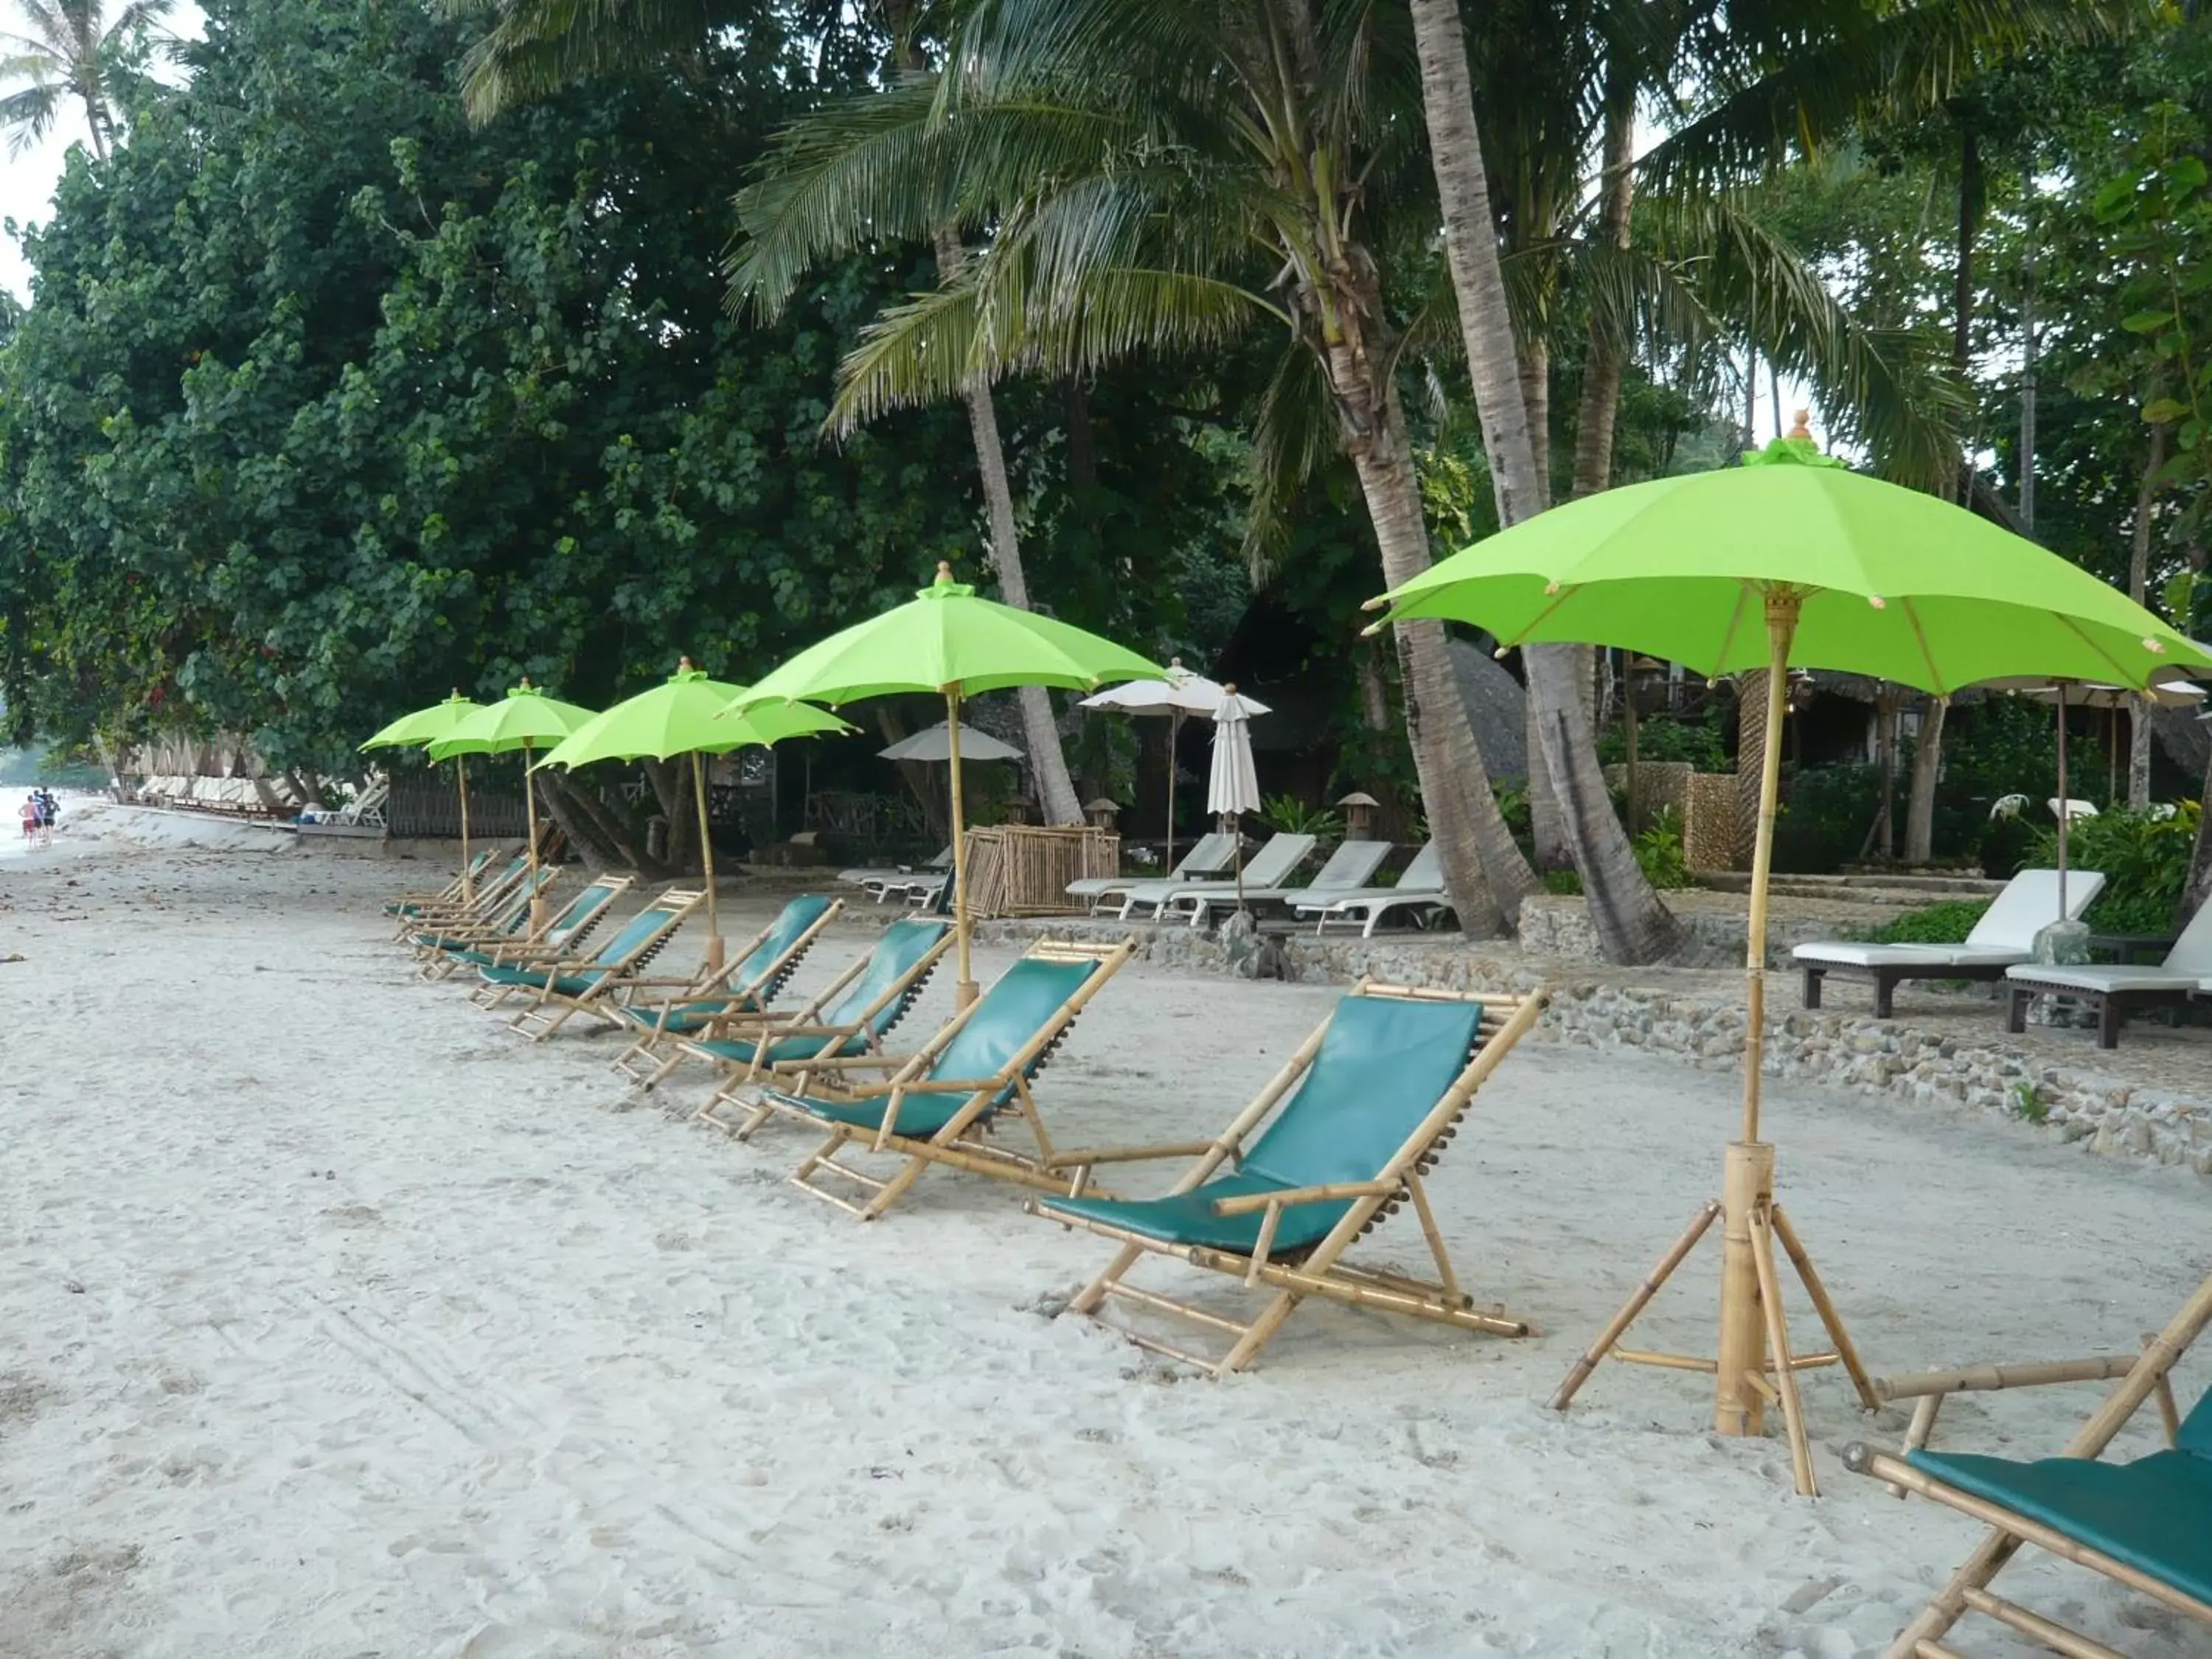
[527, 719]
[948, 641]
[420, 730]
[1790, 560]
[683, 715]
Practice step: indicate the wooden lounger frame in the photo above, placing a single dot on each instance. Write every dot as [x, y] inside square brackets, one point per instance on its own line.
[642, 1063]
[1322, 1270]
[437, 961]
[2114, 1007]
[550, 1009]
[767, 1030]
[492, 891]
[1887, 976]
[2145, 1376]
[959, 1144]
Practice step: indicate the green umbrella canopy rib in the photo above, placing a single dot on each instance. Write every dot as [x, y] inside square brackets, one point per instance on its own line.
[1895, 584]
[683, 715]
[425, 725]
[524, 717]
[947, 640]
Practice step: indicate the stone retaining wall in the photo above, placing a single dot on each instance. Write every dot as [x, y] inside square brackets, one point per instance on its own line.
[1704, 1026]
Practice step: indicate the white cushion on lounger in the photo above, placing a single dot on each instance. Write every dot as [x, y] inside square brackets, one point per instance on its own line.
[1847, 955]
[2108, 977]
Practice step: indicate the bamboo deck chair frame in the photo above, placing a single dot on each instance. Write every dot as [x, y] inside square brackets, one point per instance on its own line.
[1319, 1270]
[563, 987]
[830, 1033]
[491, 892]
[437, 948]
[956, 1142]
[2143, 1377]
[645, 1063]
[451, 892]
[559, 934]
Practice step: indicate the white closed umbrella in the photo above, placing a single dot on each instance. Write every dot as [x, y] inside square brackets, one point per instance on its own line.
[933, 744]
[1178, 695]
[1233, 788]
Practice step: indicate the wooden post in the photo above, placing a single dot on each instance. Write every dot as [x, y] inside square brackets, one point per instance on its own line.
[468, 876]
[537, 906]
[1628, 699]
[2063, 816]
[707, 860]
[963, 989]
[1175, 729]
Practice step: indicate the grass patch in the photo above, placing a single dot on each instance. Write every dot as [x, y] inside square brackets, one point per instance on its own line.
[1948, 923]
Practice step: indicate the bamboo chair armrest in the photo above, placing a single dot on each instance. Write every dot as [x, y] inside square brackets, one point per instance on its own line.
[777, 1031]
[1086, 1155]
[1334, 1193]
[950, 1085]
[1977, 1379]
[845, 1063]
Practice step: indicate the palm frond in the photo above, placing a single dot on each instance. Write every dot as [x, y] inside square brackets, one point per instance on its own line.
[1294, 435]
[537, 47]
[1797, 79]
[985, 326]
[28, 116]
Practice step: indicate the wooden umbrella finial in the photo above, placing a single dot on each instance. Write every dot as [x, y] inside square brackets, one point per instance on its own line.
[683, 664]
[1801, 427]
[944, 570]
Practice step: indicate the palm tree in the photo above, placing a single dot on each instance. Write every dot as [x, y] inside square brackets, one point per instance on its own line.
[1765, 77]
[536, 47]
[65, 50]
[1165, 180]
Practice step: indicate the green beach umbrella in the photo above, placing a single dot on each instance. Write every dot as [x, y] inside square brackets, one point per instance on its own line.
[683, 715]
[419, 730]
[1791, 559]
[946, 641]
[527, 719]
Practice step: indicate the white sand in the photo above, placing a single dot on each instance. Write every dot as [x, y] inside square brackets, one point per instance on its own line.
[336, 1321]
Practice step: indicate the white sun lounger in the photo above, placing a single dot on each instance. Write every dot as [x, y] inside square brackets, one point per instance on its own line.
[1421, 889]
[2004, 937]
[1207, 855]
[879, 884]
[2118, 989]
[1352, 864]
[1268, 868]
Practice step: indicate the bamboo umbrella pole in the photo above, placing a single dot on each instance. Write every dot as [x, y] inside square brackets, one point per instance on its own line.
[1175, 726]
[2062, 814]
[963, 992]
[707, 862]
[539, 909]
[468, 876]
[1748, 1183]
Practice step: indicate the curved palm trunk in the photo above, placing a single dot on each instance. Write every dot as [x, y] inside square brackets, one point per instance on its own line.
[1484, 870]
[1632, 926]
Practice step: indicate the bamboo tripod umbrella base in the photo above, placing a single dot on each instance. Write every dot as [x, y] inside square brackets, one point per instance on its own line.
[1753, 1338]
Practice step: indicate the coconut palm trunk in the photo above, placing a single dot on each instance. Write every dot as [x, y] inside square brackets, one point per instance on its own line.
[1632, 926]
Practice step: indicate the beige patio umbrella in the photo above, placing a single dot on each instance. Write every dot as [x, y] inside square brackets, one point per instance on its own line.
[1232, 787]
[1179, 695]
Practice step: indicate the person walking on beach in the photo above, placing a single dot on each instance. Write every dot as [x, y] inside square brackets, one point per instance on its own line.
[32, 820]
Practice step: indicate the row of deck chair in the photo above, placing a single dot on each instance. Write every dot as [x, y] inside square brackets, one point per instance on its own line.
[1197, 891]
[1339, 1139]
[916, 885]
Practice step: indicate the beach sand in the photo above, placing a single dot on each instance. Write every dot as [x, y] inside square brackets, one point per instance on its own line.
[335, 1321]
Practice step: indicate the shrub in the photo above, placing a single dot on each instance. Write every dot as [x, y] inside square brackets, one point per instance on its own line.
[1825, 811]
[1287, 815]
[1658, 848]
[1948, 923]
[2143, 858]
[1569, 881]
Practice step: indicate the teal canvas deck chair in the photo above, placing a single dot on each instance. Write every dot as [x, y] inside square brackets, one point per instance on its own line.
[560, 988]
[1360, 1113]
[436, 944]
[849, 1017]
[743, 985]
[2146, 1524]
[493, 890]
[942, 1104]
[562, 934]
[451, 893]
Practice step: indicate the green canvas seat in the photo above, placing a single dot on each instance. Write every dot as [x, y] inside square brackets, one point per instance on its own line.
[562, 986]
[2155, 1514]
[849, 1017]
[1006, 1017]
[2145, 1524]
[941, 1104]
[743, 986]
[1380, 1070]
[1333, 1144]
